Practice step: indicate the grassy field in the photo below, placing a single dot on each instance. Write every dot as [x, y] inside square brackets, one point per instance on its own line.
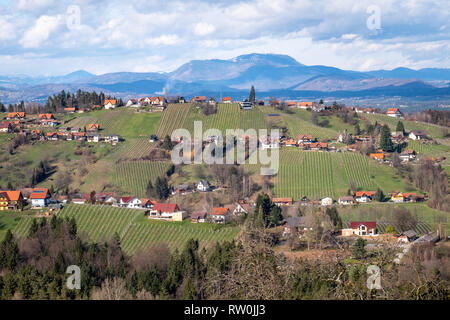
[136, 231]
[298, 124]
[133, 177]
[125, 122]
[431, 129]
[320, 174]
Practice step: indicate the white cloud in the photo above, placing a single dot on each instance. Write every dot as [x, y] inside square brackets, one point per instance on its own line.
[30, 5]
[165, 39]
[203, 29]
[7, 30]
[41, 31]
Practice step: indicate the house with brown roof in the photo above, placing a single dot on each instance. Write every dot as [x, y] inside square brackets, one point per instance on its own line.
[220, 215]
[417, 135]
[198, 217]
[199, 99]
[282, 201]
[346, 200]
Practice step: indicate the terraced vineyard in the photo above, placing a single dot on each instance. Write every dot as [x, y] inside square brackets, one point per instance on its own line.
[145, 234]
[305, 174]
[101, 222]
[173, 118]
[252, 119]
[132, 177]
[357, 170]
[320, 174]
[134, 229]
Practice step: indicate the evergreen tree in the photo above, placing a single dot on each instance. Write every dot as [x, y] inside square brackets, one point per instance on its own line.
[167, 144]
[275, 216]
[385, 140]
[33, 228]
[162, 188]
[189, 292]
[357, 129]
[252, 96]
[359, 250]
[400, 127]
[379, 195]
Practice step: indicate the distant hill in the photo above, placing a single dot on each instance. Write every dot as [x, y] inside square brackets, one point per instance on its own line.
[269, 73]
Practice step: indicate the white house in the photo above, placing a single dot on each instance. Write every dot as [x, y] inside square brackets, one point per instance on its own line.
[364, 196]
[130, 202]
[239, 209]
[93, 138]
[131, 102]
[366, 228]
[327, 201]
[203, 186]
[269, 143]
[347, 200]
[417, 135]
[110, 104]
[167, 211]
[394, 113]
[40, 197]
[113, 138]
[220, 215]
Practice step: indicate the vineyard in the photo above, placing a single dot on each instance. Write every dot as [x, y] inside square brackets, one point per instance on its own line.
[173, 118]
[252, 119]
[320, 174]
[134, 229]
[132, 177]
[144, 234]
[429, 149]
[137, 148]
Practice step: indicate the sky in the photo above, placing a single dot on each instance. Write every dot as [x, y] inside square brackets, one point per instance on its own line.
[56, 37]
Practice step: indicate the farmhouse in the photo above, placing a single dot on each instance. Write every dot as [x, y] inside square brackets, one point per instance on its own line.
[167, 211]
[347, 200]
[268, 143]
[327, 201]
[49, 123]
[364, 196]
[394, 112]
[304, 105]
[112, 138]
[282, 201]
[147, 203]
[4, 201]
[16, 115]
[93, 127]
[199, 99]
[131, 102]
[40, 197]
[304, 138]
[5, 127]
[417, 135]
[367, 228]
[14, 200]
[203, 186]
[220, 215]
[293, 225]
[397, 196]
[130, 202]
[377, 156]
[110, 104]
[407, 236]
[198, 217]
[46, 116]
[226, 100]
[246, 105]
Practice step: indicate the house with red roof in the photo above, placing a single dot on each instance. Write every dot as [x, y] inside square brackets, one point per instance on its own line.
[130, 202]
[364, 196]
[220, 215]
[361, 228]
[6, 127]
[394, 112]
[226, 100]
[15, 199]
[16, 115]
[167, 211]
[199, 99]
[40, 197]
[110, 103]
